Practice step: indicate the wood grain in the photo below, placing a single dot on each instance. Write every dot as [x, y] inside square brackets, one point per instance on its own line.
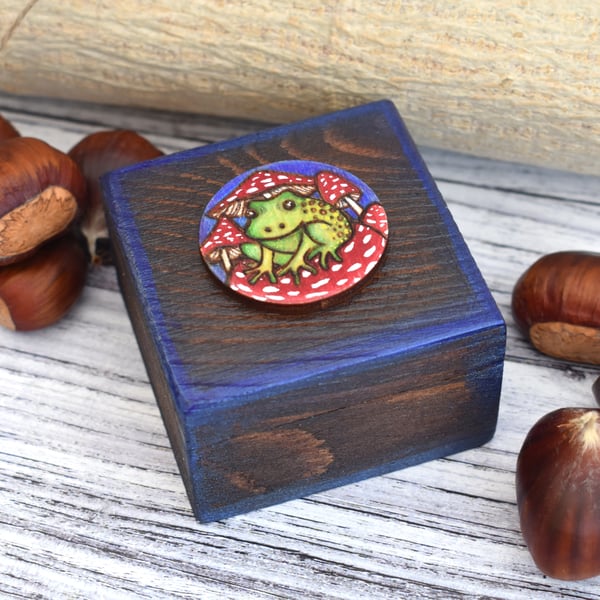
[359, 378]
[91, 501]
[510, 81]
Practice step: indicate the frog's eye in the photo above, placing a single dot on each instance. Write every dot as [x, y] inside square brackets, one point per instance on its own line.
[250, 213]
[289, 205]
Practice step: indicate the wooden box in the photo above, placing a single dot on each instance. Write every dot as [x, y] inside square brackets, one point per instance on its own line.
[263, 405]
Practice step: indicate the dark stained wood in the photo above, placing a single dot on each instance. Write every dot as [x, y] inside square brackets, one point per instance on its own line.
[262, 406]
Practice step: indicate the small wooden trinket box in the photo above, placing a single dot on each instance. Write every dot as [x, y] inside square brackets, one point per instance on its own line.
[307, 310]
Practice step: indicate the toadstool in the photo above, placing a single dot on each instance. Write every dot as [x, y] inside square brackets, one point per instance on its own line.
[265, 184]
[375, 217]
[222, 245]
[337, 190]
[359, 257]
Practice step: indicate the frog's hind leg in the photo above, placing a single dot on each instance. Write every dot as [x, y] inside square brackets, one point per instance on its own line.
[264, 262]
[299, 260]
[323, 251]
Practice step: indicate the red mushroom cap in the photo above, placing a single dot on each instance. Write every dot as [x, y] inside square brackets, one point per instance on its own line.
[261, 183]
[333, 187]
[375, 218]
[224, 234]
[359, 257]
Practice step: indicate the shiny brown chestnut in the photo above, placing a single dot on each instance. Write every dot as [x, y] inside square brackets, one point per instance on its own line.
[42, 191]
[7, 130]
[558, 492]
[97, 154]
[556, 304]
[39, 290]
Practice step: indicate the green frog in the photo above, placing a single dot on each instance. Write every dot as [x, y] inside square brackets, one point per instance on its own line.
[290, 230]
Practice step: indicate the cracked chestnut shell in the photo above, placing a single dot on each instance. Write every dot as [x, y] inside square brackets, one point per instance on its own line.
[558, 493]
[556, 304]
[40, 289]
[42, 192]
[97, 154]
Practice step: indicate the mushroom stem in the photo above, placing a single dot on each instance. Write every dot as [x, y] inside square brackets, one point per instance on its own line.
[353, 204]
[225, 260]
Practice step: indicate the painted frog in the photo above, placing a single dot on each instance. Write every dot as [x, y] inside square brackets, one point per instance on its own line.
[290, 230]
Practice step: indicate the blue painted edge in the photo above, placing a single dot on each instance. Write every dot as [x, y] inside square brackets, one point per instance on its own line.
[121, 216]
[486, 381]
[186, 396]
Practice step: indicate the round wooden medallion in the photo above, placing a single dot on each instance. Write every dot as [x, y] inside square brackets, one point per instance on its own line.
[293, 233]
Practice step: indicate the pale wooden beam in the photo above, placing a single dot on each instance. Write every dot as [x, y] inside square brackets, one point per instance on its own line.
[509, 80]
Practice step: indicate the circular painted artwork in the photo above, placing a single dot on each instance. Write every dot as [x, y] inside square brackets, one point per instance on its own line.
[293, 233]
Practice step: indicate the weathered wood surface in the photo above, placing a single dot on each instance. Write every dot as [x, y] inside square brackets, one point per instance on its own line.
[517, 81]
[92, 504]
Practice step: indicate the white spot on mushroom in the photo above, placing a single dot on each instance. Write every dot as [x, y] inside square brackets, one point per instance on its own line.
[252, 189]
[342, 281]
[286, 280]
[245, 288]
[306, 274]
[370, 266]
[275, 298]
[316, 295]
[293, 293]
[320, 283]
[354, 267]
[367, 238]
[270, 289]
[240, 275]
[349, 247]
[335, 268]
[257, 297]
[370, 252]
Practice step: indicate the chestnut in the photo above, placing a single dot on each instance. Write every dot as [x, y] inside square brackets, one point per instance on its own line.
[7, 130]
[39, 290]
[558, 491]
[556, 304]
[97, 154]
[41, 193]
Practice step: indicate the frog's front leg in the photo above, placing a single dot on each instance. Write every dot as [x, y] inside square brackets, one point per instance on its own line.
[298, 260]
[264, 257]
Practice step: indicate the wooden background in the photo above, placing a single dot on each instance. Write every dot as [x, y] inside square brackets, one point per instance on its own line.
[504, 79]
[91, 501]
